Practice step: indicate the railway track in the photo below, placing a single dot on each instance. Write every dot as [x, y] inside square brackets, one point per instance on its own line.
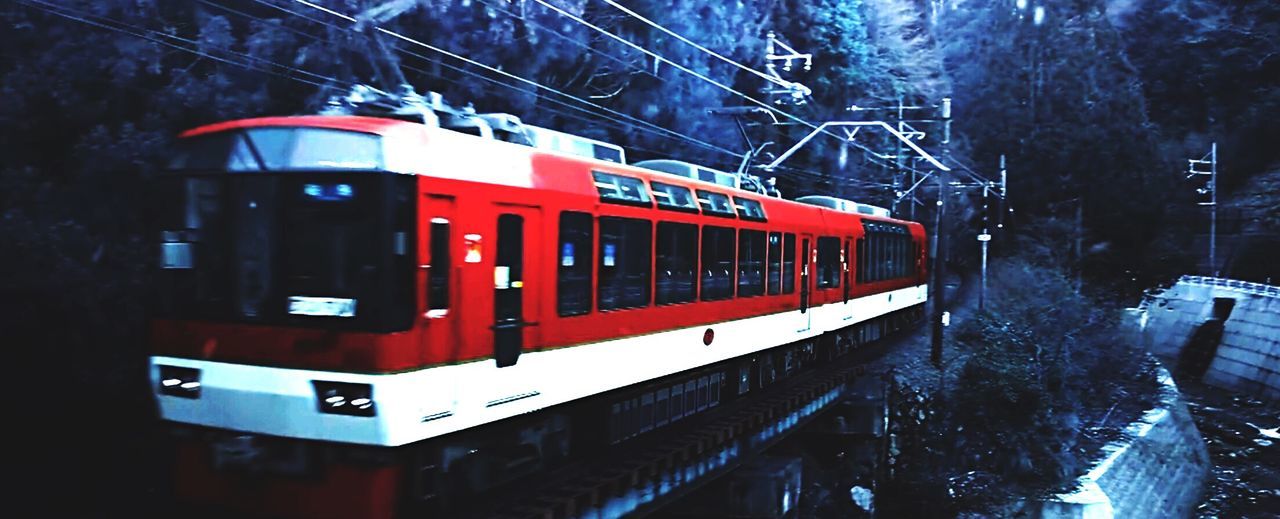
[639, 479]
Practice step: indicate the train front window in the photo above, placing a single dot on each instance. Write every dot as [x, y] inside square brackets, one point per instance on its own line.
[301, 248]
[279, 148]
[328, 254]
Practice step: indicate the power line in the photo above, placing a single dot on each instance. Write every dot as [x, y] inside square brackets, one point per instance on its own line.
[689, 71]
[973, 174]
[509, 75]
[618, 123]
[673, 34]
[160, 38]
[553, 32]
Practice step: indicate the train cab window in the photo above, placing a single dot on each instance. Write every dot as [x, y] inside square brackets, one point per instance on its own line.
[828, 262]
[325, 149]
[861, 262]
[751, 251]
[880, 249]
[749, 209]
[895, 255]
[626, 245]
[438, 272]
[674, 198]
[717, 262]
[774, 281]
[890, 255]
[886, 251]
[620, 189]
[789, 263]
[898, 256]
[676, 260]
[279, 148]
[573, 264]
[715, 204]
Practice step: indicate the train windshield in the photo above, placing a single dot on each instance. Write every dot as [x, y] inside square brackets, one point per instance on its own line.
[304, 247]
[279, 148]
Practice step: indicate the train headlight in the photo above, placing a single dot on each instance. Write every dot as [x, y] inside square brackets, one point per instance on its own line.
[346, 398]
[180, 382]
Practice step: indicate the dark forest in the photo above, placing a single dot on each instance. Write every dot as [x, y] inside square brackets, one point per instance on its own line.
[1095, 105]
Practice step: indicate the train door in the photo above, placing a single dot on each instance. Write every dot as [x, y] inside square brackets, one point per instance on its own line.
[515, 291]
[845, 260]
[440, 256]
[439, 248]
[806, 281]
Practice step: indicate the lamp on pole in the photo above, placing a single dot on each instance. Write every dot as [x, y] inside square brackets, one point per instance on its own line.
[1196, 167]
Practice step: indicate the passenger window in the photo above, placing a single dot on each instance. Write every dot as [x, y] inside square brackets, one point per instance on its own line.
[749, 209]
[574, 264]
[438, 272]
[677, 261]
[862, 260]
[619, 189]
[674, 198]
[717, 263]
[625, 262]
[606, 153]
[715, 204]
[751, 249]
[789, 264]
[775, 264]
[828, 262]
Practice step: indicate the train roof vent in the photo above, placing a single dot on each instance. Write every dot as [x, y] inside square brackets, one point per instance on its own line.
[508, 128]
[693, 171]
[873, 210]
[830, 202]
[548, 139]
[407, 105]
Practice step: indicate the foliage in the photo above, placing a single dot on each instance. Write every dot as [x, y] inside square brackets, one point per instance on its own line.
[1099, 103]
[1045, 377]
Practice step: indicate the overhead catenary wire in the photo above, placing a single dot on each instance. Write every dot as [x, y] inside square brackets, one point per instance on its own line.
[617, 123]
[168, 40]
[560, 11]
[105, 23]
[691, 72]
[695, 45]
[630, 67]
[520, 79]
[971, 173]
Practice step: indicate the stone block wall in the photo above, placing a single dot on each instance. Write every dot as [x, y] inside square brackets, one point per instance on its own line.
[1159, 472]
[1248, 358]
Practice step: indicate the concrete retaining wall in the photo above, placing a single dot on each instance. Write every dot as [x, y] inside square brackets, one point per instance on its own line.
[1160, 472]
[1248, 358]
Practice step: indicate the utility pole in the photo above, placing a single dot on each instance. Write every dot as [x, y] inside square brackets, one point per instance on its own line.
[984, 239]
[1211, 160]
[897, 156]
[1213, 213]
[935, 352]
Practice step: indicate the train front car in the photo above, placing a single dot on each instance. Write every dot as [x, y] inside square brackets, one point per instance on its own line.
[288, 266]
[367, 315]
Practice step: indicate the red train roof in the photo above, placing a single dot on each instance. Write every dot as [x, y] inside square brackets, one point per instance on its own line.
[546, 174]
[378, 125]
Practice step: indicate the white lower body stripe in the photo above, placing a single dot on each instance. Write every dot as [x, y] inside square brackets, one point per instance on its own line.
[435, 401]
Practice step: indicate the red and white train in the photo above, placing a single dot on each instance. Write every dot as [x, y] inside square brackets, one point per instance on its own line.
[370, 313]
